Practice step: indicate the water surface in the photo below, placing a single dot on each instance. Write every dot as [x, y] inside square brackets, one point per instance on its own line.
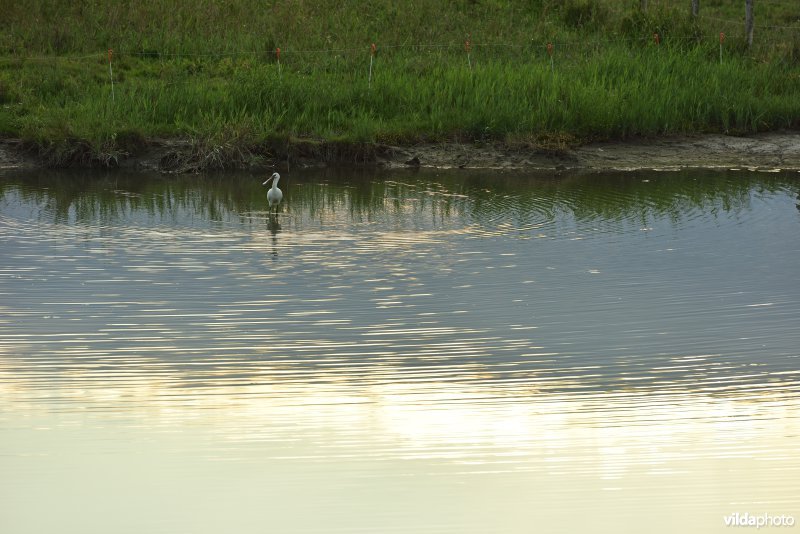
[398, 352]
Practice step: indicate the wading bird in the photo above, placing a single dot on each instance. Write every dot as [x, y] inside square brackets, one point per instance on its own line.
[274, 195]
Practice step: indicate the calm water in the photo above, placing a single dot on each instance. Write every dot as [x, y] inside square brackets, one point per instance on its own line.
[398, 352]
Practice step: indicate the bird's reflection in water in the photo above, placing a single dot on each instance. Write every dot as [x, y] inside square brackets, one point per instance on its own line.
[274, 228]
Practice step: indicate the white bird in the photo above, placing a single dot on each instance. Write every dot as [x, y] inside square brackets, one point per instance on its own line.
[274, 195]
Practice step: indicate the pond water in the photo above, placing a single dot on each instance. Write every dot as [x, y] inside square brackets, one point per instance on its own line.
[421, 352]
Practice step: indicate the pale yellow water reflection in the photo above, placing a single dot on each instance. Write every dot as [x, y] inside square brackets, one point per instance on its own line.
[333, 452]
[398, 354]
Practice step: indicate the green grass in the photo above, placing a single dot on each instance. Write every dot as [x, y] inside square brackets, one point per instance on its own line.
[207, 71]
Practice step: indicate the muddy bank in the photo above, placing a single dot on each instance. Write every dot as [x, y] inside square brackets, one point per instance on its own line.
[766, 151]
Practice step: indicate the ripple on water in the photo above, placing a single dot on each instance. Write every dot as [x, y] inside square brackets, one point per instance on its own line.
[412, 344]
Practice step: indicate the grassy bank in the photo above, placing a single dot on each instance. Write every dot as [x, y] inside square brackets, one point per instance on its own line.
[208, 71]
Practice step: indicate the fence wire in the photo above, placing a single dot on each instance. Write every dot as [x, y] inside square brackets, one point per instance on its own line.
[564, 49]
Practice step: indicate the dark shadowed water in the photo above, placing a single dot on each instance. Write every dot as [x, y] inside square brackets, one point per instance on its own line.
[398, 352]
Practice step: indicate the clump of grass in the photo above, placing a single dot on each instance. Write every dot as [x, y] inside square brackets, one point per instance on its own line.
[202, 155]
[74, 152]
[232, 146]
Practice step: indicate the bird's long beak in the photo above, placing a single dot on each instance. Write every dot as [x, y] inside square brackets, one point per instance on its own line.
[267, 180]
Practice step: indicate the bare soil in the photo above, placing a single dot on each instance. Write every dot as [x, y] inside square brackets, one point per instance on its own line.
[765, 151]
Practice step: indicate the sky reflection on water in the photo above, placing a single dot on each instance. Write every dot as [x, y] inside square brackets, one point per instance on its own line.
[405, 352]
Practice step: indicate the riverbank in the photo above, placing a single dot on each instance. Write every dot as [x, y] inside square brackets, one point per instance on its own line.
[764, 151]
[531, 85]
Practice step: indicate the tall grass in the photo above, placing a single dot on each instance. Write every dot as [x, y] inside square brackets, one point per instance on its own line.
[608, 78]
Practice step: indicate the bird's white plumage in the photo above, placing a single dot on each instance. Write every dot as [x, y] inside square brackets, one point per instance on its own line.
[274, 195]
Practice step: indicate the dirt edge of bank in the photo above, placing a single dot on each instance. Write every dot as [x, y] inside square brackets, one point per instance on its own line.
[764, 151]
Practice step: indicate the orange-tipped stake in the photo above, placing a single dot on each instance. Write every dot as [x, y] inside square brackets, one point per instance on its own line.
[111, 72]
[372, 51]
[468, 48]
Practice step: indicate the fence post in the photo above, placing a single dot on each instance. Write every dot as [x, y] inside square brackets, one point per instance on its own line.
[748, 21]
[468, 48]
[372, 50]
[111, 73]
[643, 4]
[695, 7]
